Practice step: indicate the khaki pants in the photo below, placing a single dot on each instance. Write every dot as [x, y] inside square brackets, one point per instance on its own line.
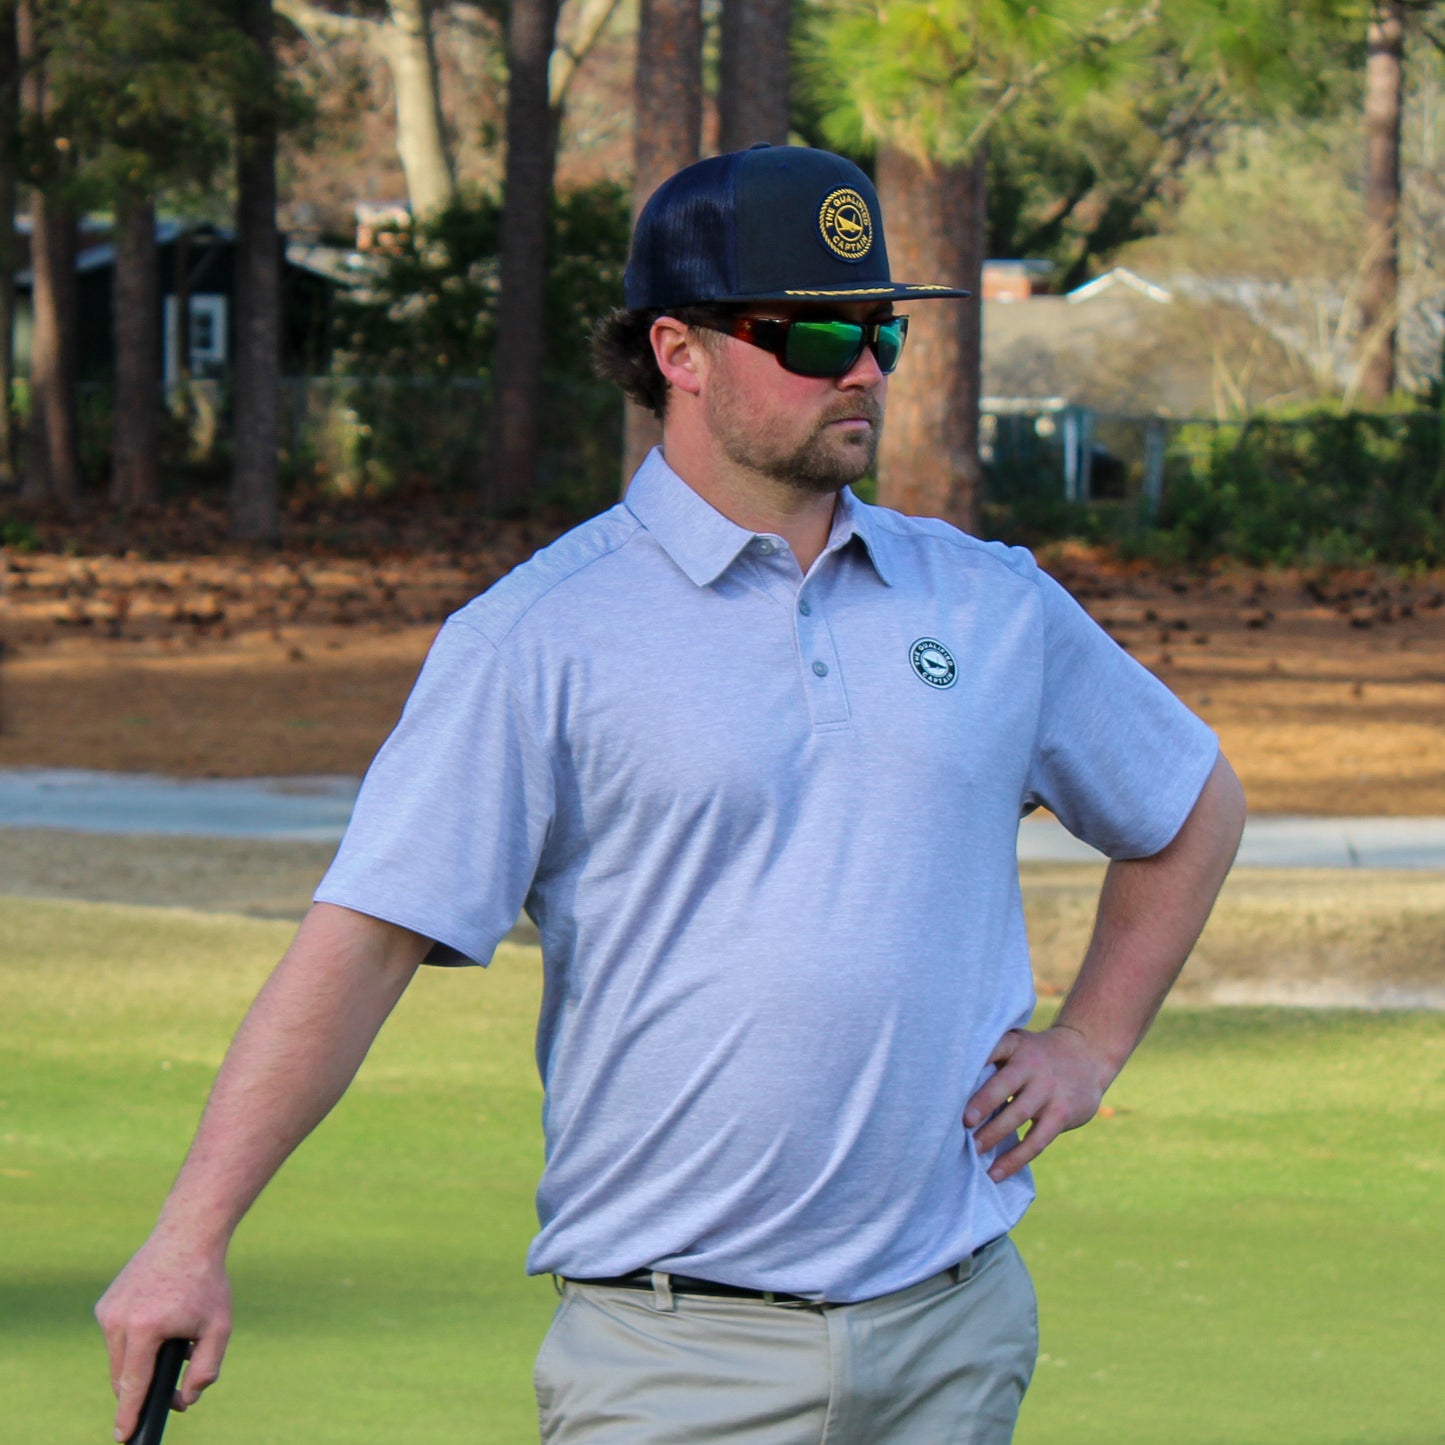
[945, 1361]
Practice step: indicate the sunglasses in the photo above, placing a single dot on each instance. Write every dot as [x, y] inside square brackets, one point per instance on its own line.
[818, 348]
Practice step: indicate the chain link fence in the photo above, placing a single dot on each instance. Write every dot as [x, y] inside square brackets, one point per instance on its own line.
[1052, 448]
[1330, 487]
[1345, 487]
[366, 436]
[360, 437]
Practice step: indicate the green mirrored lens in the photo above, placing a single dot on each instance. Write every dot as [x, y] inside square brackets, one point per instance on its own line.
[889, 345]
[822, 348]
[829, 348]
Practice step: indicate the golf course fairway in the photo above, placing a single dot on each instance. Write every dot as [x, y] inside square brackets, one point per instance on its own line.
[1247, 1246]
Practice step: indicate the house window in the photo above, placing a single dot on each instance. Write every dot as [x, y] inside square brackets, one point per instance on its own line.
[207, 341]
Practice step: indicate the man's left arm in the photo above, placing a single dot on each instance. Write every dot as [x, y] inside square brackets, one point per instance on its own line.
[1151, 911]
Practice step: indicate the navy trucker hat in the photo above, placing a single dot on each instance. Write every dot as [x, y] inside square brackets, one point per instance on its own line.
[774, 223]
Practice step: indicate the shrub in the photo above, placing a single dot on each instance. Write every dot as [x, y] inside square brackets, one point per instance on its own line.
[412, 408]
[367, 437]
[1324, 488]
[1328, 487]
[431, 308]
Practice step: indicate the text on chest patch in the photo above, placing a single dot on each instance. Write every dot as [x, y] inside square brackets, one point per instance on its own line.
[933, 662]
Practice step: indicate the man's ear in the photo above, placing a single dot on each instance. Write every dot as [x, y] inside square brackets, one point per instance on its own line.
[680, 357]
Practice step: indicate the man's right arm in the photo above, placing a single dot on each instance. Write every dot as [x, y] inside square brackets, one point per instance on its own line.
[291, 1060]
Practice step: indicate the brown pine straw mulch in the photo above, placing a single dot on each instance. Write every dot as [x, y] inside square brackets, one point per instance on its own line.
[159, 645]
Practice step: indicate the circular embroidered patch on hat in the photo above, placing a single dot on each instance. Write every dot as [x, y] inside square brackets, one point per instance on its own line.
[933, 662]
[845, 225]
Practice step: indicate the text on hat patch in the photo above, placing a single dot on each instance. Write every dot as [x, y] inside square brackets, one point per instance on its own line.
[845, 225]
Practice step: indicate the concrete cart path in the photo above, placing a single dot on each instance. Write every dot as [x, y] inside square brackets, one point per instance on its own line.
[303, 809]
[315, 809]
[1277, 841]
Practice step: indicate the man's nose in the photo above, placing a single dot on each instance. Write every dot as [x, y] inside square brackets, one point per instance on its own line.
[864, 372]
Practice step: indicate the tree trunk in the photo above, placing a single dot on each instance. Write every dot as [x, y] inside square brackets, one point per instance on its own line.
[421, 138]
[135, 480]
[9, 248]
[256, 401]
[668, 93]
[754, 65]
[928, 462]
[53, 467]
[588, 22]
[667, 134]
[52, 463]
[1379, 289]
[515, 442]
[181, 290]
[405, 41]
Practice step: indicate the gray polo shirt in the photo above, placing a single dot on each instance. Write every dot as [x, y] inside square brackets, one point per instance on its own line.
[766, 826]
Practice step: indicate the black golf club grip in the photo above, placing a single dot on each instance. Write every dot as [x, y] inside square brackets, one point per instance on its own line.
[169, 1359]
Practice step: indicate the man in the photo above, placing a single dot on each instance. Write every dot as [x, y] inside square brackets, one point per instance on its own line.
[753, 756]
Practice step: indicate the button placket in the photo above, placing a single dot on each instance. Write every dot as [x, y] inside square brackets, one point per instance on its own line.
[769, 565]
[822, 677]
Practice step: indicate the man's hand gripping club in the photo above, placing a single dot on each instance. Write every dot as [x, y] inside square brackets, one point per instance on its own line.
[292, 1059]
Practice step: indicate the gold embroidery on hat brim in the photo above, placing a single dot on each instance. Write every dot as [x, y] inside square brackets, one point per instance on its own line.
[867, 291]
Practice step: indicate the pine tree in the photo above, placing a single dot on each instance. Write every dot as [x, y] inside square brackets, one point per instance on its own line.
[256, 379]
[755, 53]
[667, 135]
[516, 417]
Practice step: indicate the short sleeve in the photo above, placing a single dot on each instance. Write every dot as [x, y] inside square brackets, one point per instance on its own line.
[453, 813]
[1118, 758]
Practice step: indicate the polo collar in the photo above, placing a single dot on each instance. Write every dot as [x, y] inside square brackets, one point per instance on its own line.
[704, 543]
[852, 518]
[693, 533]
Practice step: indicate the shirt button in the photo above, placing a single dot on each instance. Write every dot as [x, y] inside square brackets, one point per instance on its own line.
[805, 607]
[765, 547]
[821, 669]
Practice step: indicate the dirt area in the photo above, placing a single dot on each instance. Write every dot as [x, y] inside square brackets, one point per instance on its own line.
[230, 663]
[1327, 689]
[1313, 938]
[258, 878]
[1308, 937]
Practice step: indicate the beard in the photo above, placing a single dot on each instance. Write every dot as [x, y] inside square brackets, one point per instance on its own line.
[825, 460]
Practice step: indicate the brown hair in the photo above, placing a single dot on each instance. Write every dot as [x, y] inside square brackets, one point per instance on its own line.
[622, 350]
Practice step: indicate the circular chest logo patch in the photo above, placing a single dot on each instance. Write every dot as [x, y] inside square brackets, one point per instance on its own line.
[845, 225]
[933, 662]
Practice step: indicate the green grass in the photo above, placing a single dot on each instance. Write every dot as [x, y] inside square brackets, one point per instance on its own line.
[379, 1286]
[1250, 1249]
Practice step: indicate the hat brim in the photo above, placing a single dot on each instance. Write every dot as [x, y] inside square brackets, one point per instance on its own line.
[894, 291]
